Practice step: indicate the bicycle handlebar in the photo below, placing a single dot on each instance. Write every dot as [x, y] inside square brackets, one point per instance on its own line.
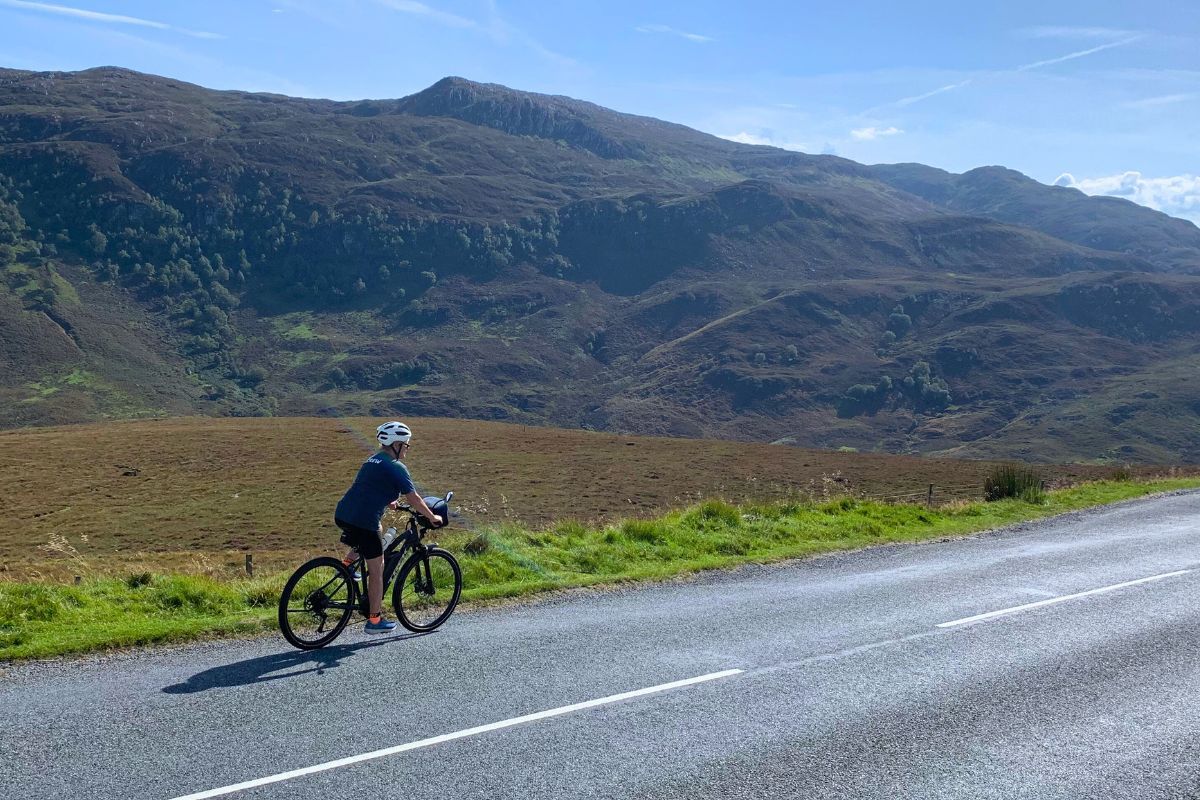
[406, 508]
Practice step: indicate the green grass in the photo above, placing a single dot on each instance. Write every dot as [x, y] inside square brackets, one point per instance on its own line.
[64, 290]
[81, 378]
[295, 328]
[77, 378]
[40, 620]
[40, 391]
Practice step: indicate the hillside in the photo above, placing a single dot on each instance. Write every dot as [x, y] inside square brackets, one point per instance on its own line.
[476, 251]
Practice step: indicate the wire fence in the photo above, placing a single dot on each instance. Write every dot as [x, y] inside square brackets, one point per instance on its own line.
[933, 494]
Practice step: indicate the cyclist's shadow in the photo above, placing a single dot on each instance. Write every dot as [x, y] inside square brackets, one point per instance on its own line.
[274, 667]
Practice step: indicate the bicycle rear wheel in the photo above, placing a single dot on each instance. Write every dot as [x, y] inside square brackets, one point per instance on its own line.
[316, 603]
[427, 590]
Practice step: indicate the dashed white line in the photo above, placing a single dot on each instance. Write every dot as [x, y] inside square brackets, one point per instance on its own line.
[1039, 604]
[447, 737]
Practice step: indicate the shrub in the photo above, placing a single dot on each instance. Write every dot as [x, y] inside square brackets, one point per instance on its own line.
[645, 530]
[263, 595]
[898, 322]
[718, 512]
[139, 579]
[1012, 480]
[478, 544]
[1122, 473]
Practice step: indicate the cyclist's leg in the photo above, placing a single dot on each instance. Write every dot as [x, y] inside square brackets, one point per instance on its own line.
[350, 536]
[375, 586]
[369, 545]
[361, 542]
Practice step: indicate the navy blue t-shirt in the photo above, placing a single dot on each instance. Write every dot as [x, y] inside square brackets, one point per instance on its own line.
[380, 481]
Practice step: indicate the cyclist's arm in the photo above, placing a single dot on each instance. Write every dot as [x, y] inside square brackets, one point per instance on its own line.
[418, 504]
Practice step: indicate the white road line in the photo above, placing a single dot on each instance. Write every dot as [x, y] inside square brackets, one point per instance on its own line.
[447, 737]
[1017, 609]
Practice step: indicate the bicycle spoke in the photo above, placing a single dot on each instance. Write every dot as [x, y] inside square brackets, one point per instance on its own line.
[316, 604]
[428, 591]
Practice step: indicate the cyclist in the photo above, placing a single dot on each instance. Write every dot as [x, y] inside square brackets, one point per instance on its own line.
[379, 483]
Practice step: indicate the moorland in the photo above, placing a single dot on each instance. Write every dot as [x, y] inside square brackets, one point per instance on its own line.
[197, 494]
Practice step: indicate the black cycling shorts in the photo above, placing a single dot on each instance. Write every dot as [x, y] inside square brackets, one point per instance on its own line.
[367, 542]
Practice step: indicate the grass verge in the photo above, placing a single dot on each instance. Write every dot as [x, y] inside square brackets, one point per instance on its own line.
[40, 619]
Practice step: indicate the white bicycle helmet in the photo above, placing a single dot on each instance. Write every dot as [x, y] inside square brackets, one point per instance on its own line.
[392, 432]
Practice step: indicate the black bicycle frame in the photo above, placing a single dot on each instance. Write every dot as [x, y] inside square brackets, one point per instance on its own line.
[393, 556]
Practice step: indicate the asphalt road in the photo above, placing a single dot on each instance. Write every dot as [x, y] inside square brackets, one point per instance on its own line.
[848, 687]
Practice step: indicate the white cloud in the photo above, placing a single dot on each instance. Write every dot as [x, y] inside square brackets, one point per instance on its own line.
[422, 10]
[106, 18]
[667, 29]
[1077, 54]
[1178, 196]
[496, 27]
[1155, 102]
[502, 31]
[868, 134]
[908, 101]
[1075, 32]
[746, 137]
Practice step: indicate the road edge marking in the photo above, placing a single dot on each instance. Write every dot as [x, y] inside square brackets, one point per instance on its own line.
[448, 737]
[1040, 603]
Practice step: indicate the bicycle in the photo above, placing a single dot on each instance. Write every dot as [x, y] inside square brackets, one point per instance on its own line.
[320, 597]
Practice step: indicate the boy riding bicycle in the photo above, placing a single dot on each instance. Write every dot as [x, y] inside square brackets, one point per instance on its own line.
[380, 482]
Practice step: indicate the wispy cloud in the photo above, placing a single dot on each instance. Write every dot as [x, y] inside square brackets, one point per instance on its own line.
[104, 17]
[1075, 32]
[908, 101]
[496, 27]
[503, 31]
[422, 10]
[667, 29]
[324, 13]
[869, 134]
[1161, 100]
[1177, 195]
[1077, 54]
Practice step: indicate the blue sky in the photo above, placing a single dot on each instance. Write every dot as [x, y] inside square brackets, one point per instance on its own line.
[1101, 95]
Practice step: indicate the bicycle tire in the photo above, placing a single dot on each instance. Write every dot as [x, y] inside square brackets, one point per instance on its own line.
[336, 587]
[420, 608]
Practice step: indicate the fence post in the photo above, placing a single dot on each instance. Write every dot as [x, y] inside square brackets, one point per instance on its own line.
[929, 500]
[250, 564]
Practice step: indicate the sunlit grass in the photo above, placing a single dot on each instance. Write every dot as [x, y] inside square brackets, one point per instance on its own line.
[44, 619]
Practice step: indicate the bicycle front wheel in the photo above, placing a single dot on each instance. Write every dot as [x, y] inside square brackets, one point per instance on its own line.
[427, 590]
[316, 603]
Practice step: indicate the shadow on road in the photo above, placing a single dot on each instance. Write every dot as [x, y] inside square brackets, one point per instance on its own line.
[277, 666]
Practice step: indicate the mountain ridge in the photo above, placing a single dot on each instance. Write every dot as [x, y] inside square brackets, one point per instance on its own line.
[479, 251]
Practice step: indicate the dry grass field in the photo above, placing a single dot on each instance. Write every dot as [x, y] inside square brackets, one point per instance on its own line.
[192, 494]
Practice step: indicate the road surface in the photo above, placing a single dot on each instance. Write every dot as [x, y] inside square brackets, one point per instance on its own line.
[1056, 660]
